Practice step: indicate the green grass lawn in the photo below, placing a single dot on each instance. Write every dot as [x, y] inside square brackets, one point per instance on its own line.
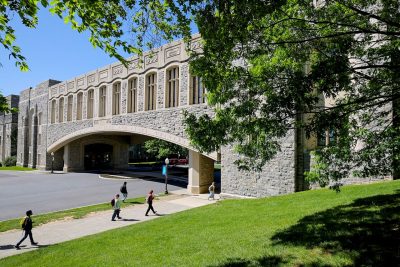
[358, 227]
[71, 213]
[16, 168]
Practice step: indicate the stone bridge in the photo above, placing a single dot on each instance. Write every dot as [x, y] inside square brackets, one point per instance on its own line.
[96, 117]
[116, 106]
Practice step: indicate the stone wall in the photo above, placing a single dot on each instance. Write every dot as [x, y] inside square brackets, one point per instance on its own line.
[277, 176]
[8, 130]
[33, 102]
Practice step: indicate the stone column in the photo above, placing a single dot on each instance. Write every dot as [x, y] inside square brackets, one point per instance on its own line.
[26, 141]
[201, 173]
[66, 158]
[34, 139]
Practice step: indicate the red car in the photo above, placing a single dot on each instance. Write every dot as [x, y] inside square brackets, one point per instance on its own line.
[183, 160]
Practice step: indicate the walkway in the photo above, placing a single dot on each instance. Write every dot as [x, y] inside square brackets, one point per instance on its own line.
[61, 231]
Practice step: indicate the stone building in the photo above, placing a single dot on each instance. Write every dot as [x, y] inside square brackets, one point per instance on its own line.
[90, 121]
[8, 130]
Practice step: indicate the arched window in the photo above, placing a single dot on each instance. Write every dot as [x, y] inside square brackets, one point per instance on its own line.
[197, 91]
[53, 111]
[69, 107]
[102, 101]
[172, 88]
[61, 110]
[90, 104]
[116, 100]
[79, 106]
[132, 95]
[150, 94]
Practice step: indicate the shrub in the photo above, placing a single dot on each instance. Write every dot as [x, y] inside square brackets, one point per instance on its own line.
[10, 161]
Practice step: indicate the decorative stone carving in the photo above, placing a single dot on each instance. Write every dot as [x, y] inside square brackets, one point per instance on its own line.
[62, 89]
[80, 83]
[196, 45]
[134, 64]
[71, 86]
[91, 79]
[117, 70]
[103, 75]
[151, 59]
[172, 51]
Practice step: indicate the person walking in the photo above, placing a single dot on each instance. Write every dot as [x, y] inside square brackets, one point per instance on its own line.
[124, 191]
[117, 208]
[27, 227]
[211, 190]
[149, 201]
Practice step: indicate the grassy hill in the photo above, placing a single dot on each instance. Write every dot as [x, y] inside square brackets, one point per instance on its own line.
[359, 226]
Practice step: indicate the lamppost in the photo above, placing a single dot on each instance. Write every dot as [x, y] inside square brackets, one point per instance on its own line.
[52, 162]
[166, 175]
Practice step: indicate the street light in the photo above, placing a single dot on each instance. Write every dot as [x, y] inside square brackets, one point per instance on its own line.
[166, 175]
[52, 161]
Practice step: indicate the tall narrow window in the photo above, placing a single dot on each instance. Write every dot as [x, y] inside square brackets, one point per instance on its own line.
[150, 94]
[132, 95]
[79, 106]
[69, 107]
[172, 93]
[90, 104]
[61, 110]
[53, 111]
[102, 101]
[197, 92]
[116, 98]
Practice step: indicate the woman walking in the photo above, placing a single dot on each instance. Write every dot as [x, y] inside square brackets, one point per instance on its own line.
[149, 201]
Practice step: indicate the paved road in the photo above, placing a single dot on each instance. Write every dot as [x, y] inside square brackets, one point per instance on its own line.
[44, 192]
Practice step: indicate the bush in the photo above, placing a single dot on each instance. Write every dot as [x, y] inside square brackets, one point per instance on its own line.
[10, 161]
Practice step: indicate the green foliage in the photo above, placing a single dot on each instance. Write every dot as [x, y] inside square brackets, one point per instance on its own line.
[267, 67]
[358, 227]
[161, 149]
[10, 161]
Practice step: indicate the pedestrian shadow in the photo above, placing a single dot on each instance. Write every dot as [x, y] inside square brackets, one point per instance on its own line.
[133, 202]
[367, 231]
[5, 247]
[130, 220]
[22, 247]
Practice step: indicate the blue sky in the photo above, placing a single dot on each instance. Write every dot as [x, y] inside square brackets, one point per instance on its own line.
[53, 51]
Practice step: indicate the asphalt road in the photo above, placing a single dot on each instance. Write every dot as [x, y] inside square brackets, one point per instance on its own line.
[44, 192]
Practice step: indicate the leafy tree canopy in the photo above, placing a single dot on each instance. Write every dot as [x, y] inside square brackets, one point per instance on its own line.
[162, 149]
[269, 68]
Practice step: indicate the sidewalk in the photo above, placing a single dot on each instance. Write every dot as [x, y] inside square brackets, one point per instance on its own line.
[61, 231]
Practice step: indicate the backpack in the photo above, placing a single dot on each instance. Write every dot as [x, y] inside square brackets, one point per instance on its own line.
[112, 202]
[22, 223]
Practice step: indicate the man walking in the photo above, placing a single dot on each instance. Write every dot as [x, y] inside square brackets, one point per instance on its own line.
[27, 227]
[124, 191]
[149, 201]
[117, 208]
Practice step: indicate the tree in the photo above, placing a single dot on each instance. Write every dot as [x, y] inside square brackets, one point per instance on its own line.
[163, 149]
[267, 66]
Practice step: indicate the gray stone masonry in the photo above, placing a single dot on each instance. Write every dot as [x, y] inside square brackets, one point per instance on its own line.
[277, 176]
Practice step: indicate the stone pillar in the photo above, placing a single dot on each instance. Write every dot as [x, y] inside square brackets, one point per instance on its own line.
[201, 173]
[66, 158]
[34, 139]
[26, 141]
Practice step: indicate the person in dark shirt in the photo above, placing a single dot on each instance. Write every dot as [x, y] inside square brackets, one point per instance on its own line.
[124, 191]
[149, 201]
[27, 226]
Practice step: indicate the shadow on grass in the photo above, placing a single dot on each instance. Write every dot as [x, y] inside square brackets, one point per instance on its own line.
[368, 230]
[263, 261]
